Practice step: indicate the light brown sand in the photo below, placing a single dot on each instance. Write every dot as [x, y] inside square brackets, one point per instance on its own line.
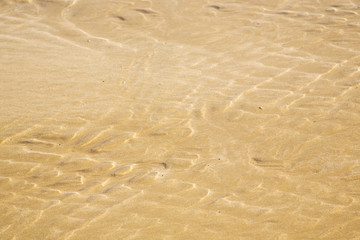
[179, 119]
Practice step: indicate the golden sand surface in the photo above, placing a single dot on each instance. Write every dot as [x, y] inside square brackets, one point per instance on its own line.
[179, 119]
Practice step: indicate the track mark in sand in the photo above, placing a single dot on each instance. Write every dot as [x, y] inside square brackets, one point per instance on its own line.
[259, 162]
[145, 11]
[123, 170]
[178, 128]
[111, 142]
[34, 141]
[43, 153]
[93, 185]
[84, 165]
[68, 181]
[90, 138]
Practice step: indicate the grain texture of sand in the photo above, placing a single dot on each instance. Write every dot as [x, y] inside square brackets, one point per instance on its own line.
[175, 119]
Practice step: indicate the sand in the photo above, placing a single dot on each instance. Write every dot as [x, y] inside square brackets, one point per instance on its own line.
[175, 119]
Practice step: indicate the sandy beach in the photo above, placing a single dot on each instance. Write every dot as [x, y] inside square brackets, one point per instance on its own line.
[179, 119]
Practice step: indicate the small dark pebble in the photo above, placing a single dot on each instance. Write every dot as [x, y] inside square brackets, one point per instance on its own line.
[121, 18]
[144, 11]
[258, 160]
[214, 6]
[164, 164]
[260, 108]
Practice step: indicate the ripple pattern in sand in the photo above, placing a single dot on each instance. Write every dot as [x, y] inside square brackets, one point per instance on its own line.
[179, 119]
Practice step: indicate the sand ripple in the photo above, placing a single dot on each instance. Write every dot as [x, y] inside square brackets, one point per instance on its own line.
[179, 119]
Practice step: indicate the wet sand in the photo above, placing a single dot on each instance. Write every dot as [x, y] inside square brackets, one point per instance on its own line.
[179, 119]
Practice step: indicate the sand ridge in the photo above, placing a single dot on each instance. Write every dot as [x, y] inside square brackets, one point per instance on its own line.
[179, 119]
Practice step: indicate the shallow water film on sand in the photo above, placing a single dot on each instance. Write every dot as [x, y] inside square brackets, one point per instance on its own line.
[178, 119]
